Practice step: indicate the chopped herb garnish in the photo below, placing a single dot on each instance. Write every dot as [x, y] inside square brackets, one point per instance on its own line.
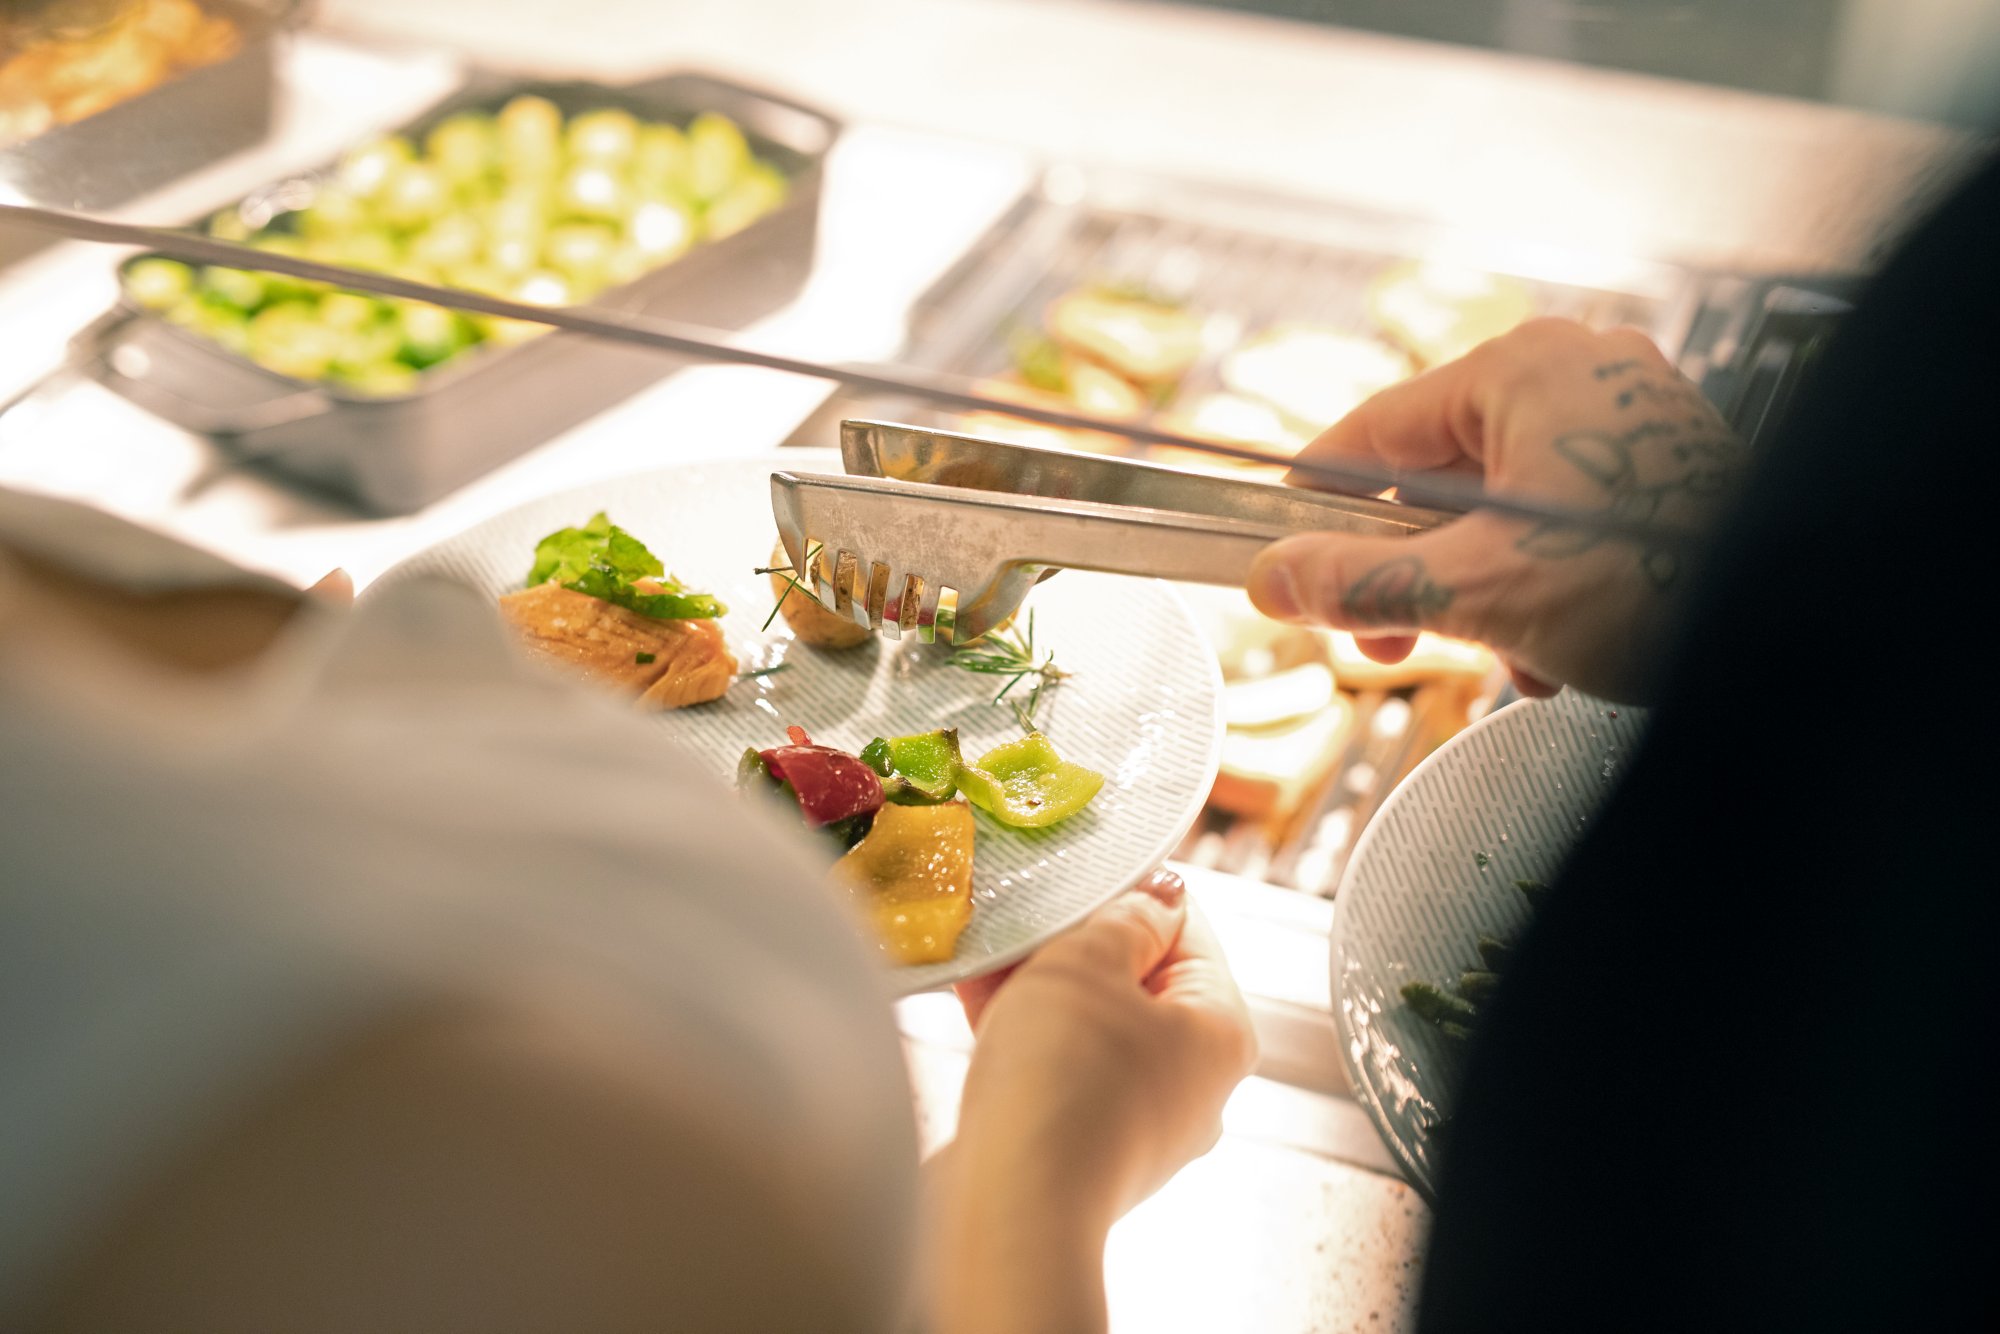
[644, 658]
[1013, 655]
[763, 671]
[1481, 860]
[603, 561]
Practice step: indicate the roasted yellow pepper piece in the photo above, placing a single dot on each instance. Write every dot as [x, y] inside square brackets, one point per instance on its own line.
[912, 875]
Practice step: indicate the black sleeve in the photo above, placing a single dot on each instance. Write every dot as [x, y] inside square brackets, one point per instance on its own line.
[1732, 1081]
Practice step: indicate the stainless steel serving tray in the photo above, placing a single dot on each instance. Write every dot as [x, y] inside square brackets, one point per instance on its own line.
[144, 142]
[1254, 258]
[395, 454]
[1258, 260]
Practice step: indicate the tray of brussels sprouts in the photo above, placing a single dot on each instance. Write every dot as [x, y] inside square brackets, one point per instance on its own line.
[685, 196]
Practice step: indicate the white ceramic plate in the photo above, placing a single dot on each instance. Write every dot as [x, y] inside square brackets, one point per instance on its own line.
[1504, 800]
[1142, 705]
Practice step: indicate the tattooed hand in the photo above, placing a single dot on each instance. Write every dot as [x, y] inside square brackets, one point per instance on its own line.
[1595, 420]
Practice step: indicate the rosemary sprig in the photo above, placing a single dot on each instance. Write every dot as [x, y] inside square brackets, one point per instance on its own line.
[1013, 655]
[791, 582]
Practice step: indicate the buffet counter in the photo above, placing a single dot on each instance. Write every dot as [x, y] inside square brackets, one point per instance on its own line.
[954, 109]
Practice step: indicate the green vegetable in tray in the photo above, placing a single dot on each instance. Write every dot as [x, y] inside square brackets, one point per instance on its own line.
[660, 156]
[1027, 784]
[607, 136]
[603, 561]
[717, 155]
[465, 148]
[520, 204]
[157, 284]
[758, 191]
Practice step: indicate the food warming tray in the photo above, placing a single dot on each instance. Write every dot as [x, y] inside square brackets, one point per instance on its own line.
[1255, 261]
[395, 454]
[144, 142]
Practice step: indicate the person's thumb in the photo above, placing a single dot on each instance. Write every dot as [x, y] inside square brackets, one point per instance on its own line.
[1132, 933]
[1376, 585]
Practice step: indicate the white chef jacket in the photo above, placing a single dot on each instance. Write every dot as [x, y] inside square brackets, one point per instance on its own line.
[205, 885]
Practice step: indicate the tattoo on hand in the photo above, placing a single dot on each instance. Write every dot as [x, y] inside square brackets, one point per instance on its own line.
[1684, 452]
[1397, 592]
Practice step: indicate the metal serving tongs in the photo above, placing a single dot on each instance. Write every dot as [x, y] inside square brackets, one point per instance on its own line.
[943, 535]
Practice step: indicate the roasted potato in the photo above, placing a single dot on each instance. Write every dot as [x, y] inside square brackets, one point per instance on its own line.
[812, 623]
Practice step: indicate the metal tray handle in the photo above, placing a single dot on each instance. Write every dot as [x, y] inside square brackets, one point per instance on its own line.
[126, 368]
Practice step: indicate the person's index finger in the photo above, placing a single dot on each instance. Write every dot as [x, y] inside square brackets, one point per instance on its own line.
[1423, 423]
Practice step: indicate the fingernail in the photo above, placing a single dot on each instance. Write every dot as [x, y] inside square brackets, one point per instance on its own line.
[1165, 886]
[1274, 590]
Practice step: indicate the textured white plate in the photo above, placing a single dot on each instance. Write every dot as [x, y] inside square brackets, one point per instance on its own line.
[1504, 800]
[1142, 705]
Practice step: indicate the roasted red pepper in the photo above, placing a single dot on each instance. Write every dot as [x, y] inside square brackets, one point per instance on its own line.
[830, 784]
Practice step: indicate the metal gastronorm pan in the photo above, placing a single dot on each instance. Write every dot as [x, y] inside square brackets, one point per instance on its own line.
[144, 142]
[395, 454]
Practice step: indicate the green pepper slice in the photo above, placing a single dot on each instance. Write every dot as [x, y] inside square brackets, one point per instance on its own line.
[1027, 784]
[922, 768]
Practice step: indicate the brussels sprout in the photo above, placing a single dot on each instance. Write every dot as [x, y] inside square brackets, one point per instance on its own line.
[514, 226]
[660, 157]
[579, 251]
[237, 287]
[512, 255]
[334, 211]
[759, 190]
[221, 324]
[283, 287]
[415, 194]
[375, 344]
[346, 312]
[590, 190]
[660, 228]
[451, 241]
[430, 334]
[366, 171]
[626, 264]
[229, 225]
[717, 154]
[530, 131]
[543, 288]
[289, 339]
[382, 380]
[375, 251]
[157, 284]
[464, 148]
[607, 136]
[503, 332]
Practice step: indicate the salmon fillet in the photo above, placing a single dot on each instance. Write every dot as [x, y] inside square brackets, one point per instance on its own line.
[685, 662]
